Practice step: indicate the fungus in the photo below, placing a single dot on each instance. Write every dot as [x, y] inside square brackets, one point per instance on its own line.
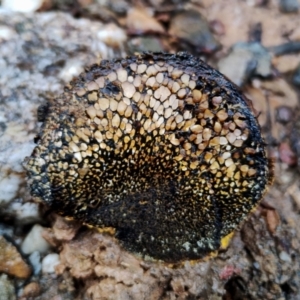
[160, 147]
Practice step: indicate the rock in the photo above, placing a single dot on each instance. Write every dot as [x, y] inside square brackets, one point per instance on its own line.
[272, 219]
[285, 257]
[11, 262]
[229, 271]
[217, 27]
[118, 6]
[64, 229]
[78, 256]
[7, 290]
[6, 230]
[5, 34]
[43, 72]
[9, 185]
[25, 213]
[145, 43]
[287, 155]
[122, 275]
[141, 20]
[32, 289]
[35, 261]
[282, 88]
[22, 6]
[286, 63]
[71, 68]
[296, 77]
[112, 35]
[34, 241]
[289, 6]
[245, 59]
[286, 48]
[192, 27]
[50, 286]
[284, 114]
[49, 263]
[265, 255]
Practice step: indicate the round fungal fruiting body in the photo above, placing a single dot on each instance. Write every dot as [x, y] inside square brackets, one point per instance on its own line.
[160, 147]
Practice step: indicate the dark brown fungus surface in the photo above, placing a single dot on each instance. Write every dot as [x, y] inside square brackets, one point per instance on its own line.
[160, 147]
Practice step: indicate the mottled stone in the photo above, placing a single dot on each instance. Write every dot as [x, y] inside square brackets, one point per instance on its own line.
[11, 261]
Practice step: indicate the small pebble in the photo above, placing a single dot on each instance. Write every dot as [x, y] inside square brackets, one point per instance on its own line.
[112, 35]
[256, 265]
[34, 241]
[31, 290]
[284, 114]
[285, 257]
[35, 261]
[49, 262]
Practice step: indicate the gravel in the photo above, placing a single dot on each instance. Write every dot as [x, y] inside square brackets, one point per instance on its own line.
[49, 263]
[34, 241]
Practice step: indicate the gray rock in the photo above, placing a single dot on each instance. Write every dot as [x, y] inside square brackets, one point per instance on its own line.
[39, 55]
[289, 6]
[191, 27]
[245, 59]
[6, 230]
[141, 44]
[35, 261]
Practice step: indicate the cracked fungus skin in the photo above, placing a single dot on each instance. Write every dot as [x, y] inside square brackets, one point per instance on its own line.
[160, 147]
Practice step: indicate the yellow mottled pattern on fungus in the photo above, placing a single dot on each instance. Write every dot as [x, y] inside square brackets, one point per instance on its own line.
[160, 147]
